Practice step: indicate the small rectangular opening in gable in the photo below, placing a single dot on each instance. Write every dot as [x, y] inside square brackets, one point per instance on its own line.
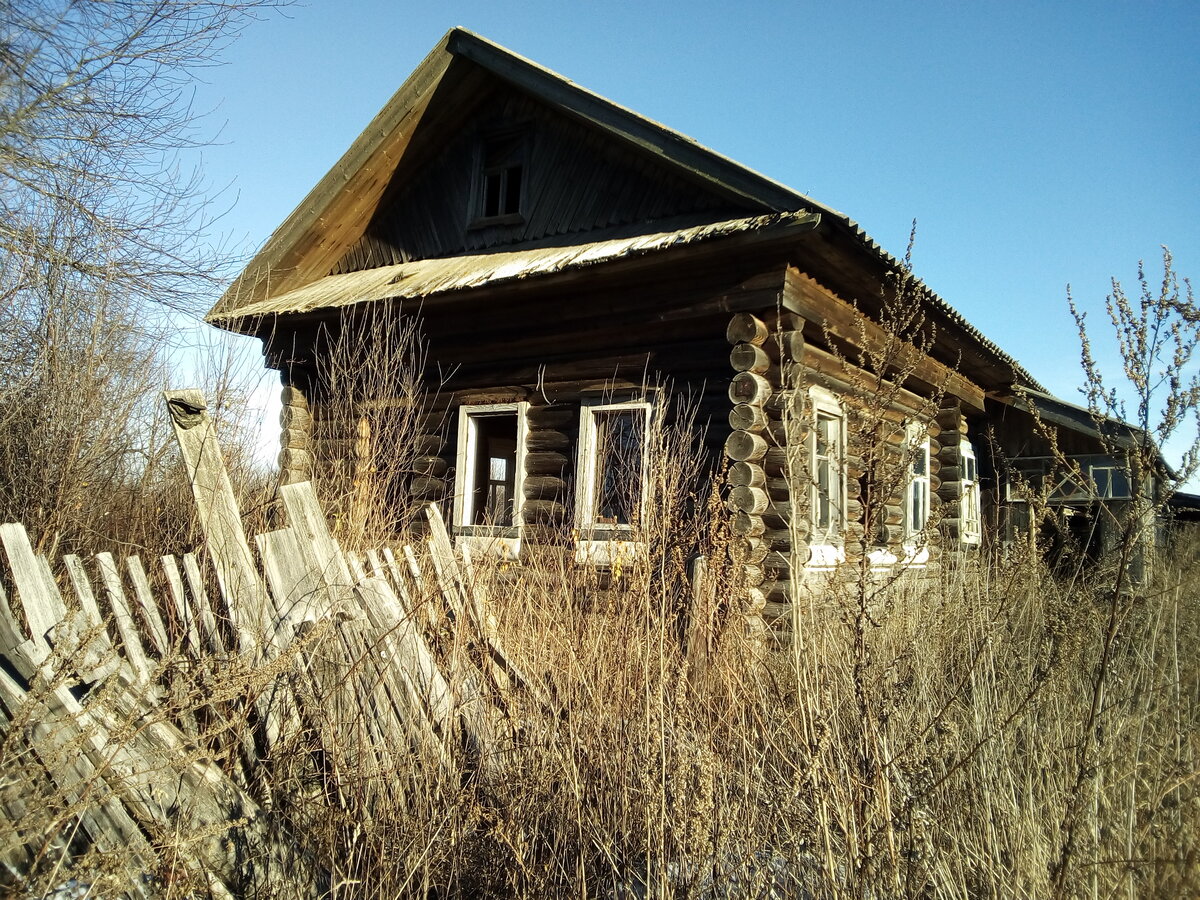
[499, 199]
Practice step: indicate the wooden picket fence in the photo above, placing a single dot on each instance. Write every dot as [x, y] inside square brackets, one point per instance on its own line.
[376, 664]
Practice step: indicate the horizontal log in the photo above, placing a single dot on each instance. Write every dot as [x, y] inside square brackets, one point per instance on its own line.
[292, 396]
[295, 439]
[746, 525]
[749, 387]
[950, 418]
[747, 417]
[745, 446]
[558, 416]
[545, 439]
[778, 515]
[545, 487]
[778, 563]
[545, 462]
[543, 512]
[746, 328]
[854, 510]
[749, 358]
[296, 417]
[746, 473]
[749, 550]
[428, 444]
[750, 500]
[424, 487]
[781, 538]
[295, 460]
[434, 466]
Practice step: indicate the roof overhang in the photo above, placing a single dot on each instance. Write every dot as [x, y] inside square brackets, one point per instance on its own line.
[432, 278]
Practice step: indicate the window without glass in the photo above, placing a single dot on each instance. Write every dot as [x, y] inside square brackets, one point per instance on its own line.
[611, 475]
[490, 472]
[502, 178]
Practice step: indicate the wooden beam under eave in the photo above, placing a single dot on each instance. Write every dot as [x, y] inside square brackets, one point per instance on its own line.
[808, 299]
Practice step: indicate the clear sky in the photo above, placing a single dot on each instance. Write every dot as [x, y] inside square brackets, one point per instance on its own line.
[1035, 144]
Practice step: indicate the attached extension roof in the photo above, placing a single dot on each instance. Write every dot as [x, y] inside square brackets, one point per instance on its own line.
[444, 275]
[305, 248]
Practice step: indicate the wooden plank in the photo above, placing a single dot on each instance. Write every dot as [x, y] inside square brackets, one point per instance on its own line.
[202, 609]
[23, 653]
[292, 575]
[98, 658]
[186, 618]
[131, 641]
[55, 735]
[145, 600]
[39, 597]
[217, 511]
[308, 519]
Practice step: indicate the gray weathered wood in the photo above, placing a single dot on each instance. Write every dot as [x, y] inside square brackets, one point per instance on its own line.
[131, 641]
[202, 609]
[145, 599]
[221, 520]
[186, 618]
[39, 596]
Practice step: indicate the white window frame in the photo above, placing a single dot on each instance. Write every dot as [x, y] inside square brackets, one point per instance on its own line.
[504, 540]
[917, 484]
[970, 514]
[827, 545]
[601, 543]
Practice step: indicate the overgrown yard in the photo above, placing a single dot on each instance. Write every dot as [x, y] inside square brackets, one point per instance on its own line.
[985, 733]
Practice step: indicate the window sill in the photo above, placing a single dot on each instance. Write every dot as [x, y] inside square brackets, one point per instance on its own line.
[611, 552]
[503, 543]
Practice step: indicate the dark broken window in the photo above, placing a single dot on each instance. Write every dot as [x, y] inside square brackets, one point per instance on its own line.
[502, 177]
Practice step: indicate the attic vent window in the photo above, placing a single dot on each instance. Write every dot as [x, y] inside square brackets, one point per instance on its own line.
[501, 181]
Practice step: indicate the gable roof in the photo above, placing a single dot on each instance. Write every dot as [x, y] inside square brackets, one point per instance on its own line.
[308, 244]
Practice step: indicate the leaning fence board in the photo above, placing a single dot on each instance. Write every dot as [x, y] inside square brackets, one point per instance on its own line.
[131, 641]
[40, 600]
[295, 584]
[308, 519]
[185, 617]
[149, 610]
[98, 659]
[220, 518]
[202, 608]
[55, 738]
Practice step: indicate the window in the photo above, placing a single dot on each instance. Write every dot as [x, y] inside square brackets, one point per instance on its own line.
[500, 185]
[1111, 482]
[970, 513]
[611, 473]
[828, 448]
[916, 500]
[490, 472]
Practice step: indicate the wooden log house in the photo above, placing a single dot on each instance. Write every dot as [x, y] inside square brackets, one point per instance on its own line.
[568, 259]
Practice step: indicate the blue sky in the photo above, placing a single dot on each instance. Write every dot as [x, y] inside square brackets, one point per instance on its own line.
[1035, 144]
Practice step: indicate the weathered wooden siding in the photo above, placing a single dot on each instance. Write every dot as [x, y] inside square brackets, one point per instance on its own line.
[575, 181]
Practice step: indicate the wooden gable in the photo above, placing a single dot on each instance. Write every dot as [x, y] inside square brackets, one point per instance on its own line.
[574, 179]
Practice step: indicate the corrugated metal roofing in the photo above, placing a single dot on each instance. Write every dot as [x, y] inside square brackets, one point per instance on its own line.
[430, 277]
